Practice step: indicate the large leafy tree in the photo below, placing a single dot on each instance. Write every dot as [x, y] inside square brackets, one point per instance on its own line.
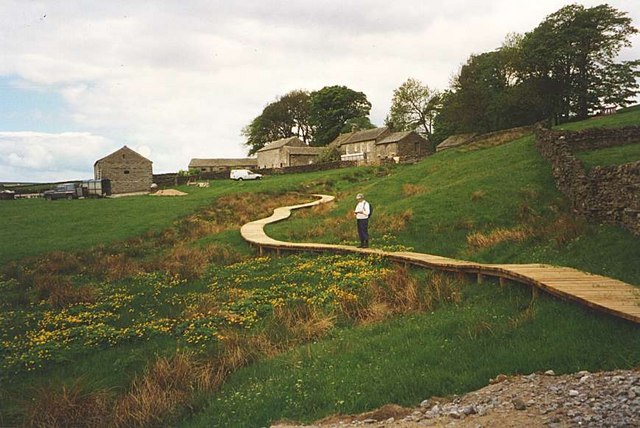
[288, 116]
[413, 107]
[332, 107]
[571, 57]
[477, 101]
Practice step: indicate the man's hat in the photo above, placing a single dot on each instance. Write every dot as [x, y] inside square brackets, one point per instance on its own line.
[359, 196]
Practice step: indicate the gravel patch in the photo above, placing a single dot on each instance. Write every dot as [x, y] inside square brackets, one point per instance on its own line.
[604, 399]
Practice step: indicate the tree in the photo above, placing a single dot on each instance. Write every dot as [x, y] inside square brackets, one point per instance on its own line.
[565, 68]
[359, 123]
[413, 107]
[330, 109]
[288, 116]
[571, 56]
[475, 102]
[297, 106]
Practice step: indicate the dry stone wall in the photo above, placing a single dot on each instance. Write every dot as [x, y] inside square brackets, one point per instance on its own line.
[173, 179]
[605, 194]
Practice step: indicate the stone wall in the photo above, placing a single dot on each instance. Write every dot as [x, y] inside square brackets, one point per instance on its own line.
[605, 194]
[300, 160]
[173, 179]
[308, 168]
[600, 138]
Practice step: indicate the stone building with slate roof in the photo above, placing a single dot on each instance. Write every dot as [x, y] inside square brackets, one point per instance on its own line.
[287, 152]
[222, 165]
[402, 146]
[129, 171]
[360, 146]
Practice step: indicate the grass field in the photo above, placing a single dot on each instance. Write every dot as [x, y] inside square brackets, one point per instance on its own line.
[153, 311]
[610, 156]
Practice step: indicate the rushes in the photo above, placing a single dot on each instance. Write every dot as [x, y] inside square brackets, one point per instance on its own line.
[400, 292]
[497, 236]
[66, 406]
[410, 189]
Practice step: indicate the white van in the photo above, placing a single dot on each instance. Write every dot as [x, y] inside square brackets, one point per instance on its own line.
[244, 174]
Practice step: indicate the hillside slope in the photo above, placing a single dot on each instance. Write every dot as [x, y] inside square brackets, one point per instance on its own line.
[494, 205]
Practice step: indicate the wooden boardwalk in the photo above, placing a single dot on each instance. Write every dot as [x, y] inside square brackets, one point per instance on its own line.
[598, 292]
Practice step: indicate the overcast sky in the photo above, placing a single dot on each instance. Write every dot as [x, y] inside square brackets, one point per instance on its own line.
[179, 79]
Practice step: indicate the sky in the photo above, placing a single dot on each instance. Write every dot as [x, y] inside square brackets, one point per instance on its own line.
[179, 79]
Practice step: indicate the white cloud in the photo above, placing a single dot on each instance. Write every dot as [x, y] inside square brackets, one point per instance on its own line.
[36, 156]
[183, 78]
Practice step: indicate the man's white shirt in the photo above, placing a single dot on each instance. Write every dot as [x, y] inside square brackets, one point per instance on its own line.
[363, 206]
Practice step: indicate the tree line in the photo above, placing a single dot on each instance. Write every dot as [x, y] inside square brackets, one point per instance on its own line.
[564, 69]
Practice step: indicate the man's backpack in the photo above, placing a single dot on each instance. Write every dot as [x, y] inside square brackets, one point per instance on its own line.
[370, 209]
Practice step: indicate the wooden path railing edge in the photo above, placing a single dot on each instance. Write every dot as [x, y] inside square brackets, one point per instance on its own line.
[597, 292]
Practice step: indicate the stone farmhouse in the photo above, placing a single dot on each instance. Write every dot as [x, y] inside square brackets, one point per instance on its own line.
[372, 146]
[360, 146]
[222, 165]
[287, 152]
[129, 171]
[401, 146]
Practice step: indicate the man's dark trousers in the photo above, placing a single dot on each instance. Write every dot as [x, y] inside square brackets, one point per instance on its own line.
[363, 231]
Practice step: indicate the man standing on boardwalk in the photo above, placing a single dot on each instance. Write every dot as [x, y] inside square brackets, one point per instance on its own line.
[362, 212]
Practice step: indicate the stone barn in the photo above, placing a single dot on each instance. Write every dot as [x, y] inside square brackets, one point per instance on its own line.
[129, 172]
[275, 154]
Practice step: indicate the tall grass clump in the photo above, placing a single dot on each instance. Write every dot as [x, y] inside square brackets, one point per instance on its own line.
[298, 322]
[411, 189]
[401, 291]
[483, 240]
[75, 405]
[167, 383]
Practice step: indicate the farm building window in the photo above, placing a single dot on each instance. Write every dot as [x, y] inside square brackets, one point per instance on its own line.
[126, 171]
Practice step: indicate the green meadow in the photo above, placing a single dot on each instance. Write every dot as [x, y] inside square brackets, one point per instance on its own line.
[148, 311]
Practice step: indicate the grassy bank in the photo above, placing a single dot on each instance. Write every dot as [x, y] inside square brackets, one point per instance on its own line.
[452, 350]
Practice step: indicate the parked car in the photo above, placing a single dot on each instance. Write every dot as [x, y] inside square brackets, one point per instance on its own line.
[63, 191]
[244, 174]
